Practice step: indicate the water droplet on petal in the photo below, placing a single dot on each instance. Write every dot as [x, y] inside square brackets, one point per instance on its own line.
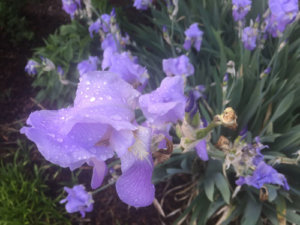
[92, 99]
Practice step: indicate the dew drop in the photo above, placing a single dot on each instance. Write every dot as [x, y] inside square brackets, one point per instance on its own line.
[92, 99]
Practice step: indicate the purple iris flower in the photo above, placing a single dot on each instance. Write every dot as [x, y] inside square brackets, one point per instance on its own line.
[166, 103]
[264, 174]
[31, 66]
[105, 19]
[240, 9]
[283, 12]
[178, 66]
[87, 65]
[101, 23]
[78, 200]
[249, 37]
[142, 4]
[99, 123]
[193, 37]
[111, 42]
[95, 27]
[127, 68]
[134, 186]
[70, 6]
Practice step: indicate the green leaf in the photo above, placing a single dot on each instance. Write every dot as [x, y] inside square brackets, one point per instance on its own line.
[209, 188]
[223, 187]
[252, 212]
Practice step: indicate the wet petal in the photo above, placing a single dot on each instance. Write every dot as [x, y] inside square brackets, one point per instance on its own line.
[134, 187]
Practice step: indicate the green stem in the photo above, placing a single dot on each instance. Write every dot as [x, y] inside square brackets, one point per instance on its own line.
[200, 134]
[103, 187]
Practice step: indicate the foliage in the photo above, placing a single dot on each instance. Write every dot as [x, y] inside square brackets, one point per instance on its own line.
[12, 22]
[266, 105]
[24, 194]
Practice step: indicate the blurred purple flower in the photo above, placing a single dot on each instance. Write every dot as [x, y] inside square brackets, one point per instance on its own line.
[201, 150]
[95, 27]
[99, 123]
[111, 42]
[166, 103]
[249, 37]
[264, 174]
[78, 200]
[70, 6]
[142, 4]
[103, 23]
[60, 70]
[193, 37]
[87, 65]
[240, 9]
[283, 12]
[31, 66]
[178, 66]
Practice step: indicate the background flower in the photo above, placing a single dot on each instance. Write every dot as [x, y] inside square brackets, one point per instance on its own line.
[166, 103]
[193, 37]
[178, 66]
[78, 200]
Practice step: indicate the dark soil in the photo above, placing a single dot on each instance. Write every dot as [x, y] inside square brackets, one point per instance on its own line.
[16, 103]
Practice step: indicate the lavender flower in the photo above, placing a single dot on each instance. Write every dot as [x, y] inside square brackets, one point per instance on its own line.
[95, 27]
[104, 23]
[78, 200]
[166, 103]
[240, 9]
[111, 42]
[283, 12]
[98, 124]
[178, 66]
[87, 65]
[193, 37]
[70, 6]
[264, 174]
[249, 37]
[31, 66]
[142, 4]
[127, 68]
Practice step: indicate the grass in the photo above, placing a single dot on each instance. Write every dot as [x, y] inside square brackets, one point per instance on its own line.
[24, 195]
